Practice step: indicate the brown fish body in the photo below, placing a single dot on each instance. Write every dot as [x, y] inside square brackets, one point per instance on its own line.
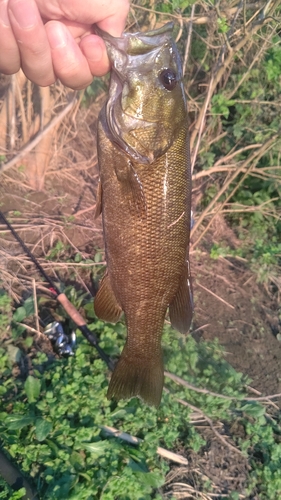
[146, 220]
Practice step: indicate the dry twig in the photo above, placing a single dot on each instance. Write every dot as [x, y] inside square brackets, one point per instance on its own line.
[169, 455]
[26, 149]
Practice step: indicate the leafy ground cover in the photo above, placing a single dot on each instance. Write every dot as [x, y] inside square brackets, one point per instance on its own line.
[53, 421]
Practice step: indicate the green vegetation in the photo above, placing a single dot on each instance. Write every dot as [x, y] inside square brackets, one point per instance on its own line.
[251, 118]
[52, 420]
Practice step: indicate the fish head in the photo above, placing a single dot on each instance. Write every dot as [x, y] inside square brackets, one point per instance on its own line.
[146, 107]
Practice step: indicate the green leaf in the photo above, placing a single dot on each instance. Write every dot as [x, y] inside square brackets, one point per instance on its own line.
[98, 257]
[97, 449]
[77, 461]
[29, 306]
[28, 342]
[19, 314]
[137, 467]
[42, 428]
[17, 330]
[86, 476]
[19, 494]
[154, 479]
[253, 409]
[89, 308]
[119, 414]
[78, 257]
[53, 446]
[72, 294]
[15, 422]
[32, 388]
[14, 353]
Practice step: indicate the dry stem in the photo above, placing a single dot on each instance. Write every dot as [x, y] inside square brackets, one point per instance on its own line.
[26, 149]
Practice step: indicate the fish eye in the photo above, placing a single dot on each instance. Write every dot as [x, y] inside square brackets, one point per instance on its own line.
[168, 78]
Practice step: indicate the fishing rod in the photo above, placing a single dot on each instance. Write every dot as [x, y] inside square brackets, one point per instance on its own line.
[15, 479]
[7, 470]
[62, 299]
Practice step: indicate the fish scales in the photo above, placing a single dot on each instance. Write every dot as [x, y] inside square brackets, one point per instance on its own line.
[145, 203]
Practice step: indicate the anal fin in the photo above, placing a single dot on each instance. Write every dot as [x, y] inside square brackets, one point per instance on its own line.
[181, 307]
[105, 304]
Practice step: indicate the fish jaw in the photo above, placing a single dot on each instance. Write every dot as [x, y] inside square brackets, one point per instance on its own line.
[138, 98]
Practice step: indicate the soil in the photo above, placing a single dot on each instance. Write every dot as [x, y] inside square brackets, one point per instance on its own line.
[246, 324]
[229, 304]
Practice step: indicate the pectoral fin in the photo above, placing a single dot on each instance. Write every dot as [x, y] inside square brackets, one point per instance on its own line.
[132, 189]
[105, 304]
[181, 307]
[98, 208]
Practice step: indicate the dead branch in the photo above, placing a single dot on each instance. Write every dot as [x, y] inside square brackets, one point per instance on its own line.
[169, 455]
[248, 164]
[26, 149]
[217, 75]
[228, 12]
[211, 424]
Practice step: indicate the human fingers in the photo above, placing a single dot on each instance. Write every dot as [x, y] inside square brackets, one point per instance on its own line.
[33, 44]
[9, 53]
[69, 63]
[109, 14]
[94, 50]
[114, 18]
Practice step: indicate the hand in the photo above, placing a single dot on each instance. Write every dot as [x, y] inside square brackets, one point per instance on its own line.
[52, 39]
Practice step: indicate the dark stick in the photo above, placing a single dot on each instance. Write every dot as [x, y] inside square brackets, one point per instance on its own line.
[14, 477]
[62, 299]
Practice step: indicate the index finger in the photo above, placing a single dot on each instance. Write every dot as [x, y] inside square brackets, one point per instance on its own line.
[109, 15]
[30, 34]
[115, 23]
[9, 53]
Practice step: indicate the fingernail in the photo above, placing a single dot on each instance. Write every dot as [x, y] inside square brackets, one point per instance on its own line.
[25, 16]
[57, 37]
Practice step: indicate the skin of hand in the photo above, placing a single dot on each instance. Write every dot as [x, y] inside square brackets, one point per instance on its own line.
[55, 39]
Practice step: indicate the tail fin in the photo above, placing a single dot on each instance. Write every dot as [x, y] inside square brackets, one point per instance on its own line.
[137, 376]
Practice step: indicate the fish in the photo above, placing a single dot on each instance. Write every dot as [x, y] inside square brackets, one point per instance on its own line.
[145, 201]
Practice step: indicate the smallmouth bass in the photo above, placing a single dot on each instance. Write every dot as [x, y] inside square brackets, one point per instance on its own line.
[145, 200]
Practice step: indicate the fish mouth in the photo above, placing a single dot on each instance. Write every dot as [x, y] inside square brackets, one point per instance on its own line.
[125, 53]
[132, 53]
[133, 44]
